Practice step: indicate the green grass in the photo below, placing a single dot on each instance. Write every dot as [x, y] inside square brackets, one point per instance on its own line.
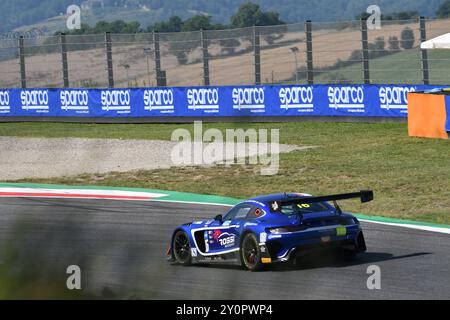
[410, 176]
[403, 67]
[62, 130]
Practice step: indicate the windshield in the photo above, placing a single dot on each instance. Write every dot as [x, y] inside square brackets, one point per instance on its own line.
[302, 208]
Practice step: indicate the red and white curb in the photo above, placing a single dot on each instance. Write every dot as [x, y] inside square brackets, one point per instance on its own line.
[78, 194]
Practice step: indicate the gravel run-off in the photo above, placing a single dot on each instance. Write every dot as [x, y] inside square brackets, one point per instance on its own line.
[22, 158]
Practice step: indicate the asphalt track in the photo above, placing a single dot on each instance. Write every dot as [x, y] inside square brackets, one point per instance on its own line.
[120, 247]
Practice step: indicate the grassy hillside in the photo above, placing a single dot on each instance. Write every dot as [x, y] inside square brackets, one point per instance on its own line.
[402, 67]
[13, 15]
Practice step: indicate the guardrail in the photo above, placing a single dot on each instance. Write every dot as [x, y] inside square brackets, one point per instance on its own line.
[226, 101]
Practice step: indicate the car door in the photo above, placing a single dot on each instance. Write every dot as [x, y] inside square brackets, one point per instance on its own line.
[225, 236]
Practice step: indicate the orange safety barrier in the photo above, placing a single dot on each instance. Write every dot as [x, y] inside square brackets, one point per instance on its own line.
[426, 115]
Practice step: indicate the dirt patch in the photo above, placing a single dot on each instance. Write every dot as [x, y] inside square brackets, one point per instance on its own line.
[56, 157]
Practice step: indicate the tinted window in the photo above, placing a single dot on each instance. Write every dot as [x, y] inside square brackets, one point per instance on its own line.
[238, 212]
[302, 208]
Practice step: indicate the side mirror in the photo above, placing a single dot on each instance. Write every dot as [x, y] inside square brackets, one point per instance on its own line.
[218, 218]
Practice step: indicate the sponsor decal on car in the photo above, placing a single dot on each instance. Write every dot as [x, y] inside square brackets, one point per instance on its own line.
[223, 238]
[341, 231]
[262, 237]
[226, 239]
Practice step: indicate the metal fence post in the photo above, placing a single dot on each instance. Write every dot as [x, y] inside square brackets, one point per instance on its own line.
[257, 53]
[365, 51]
[109, 59]
[309, 53]
[160, 75]
[205, 56]
[65, 68]
[23, 78]
[424, 53]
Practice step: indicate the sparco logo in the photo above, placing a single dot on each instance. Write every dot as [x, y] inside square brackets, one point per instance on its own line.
[350, 98]
[300, 98]
[74, 100]
[159, 99]
[4, 102]
[248, 98]
[34, 100]
[203, 99]
[116, 100]
[394, 97]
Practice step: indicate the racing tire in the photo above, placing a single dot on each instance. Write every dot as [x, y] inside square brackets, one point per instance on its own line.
[250, 253]
[181, 248]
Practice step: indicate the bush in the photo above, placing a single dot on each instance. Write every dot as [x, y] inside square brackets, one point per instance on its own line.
[408, 39]
[394, 44]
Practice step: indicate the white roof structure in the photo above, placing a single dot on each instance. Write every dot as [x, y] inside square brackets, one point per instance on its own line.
[441, 42]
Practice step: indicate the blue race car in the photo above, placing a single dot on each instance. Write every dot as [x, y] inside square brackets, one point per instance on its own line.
[268, 229]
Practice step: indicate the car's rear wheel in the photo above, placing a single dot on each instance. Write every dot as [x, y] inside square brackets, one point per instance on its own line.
[250, 253]
[181, 248]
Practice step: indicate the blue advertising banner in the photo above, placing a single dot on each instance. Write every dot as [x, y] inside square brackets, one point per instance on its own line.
[289, 100]
[447, 112]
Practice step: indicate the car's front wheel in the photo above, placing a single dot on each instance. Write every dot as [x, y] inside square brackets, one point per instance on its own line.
[181, 248]
[250, 253]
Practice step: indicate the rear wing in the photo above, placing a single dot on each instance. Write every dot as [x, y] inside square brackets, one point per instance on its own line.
[364, 195]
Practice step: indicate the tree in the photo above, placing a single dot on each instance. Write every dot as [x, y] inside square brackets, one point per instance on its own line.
[174, 24]
[407, 15]
[444, 10]
[394, 43]
[198, 22]
[408, 39]
[250, 14]
[379, 43]
[377, 49]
